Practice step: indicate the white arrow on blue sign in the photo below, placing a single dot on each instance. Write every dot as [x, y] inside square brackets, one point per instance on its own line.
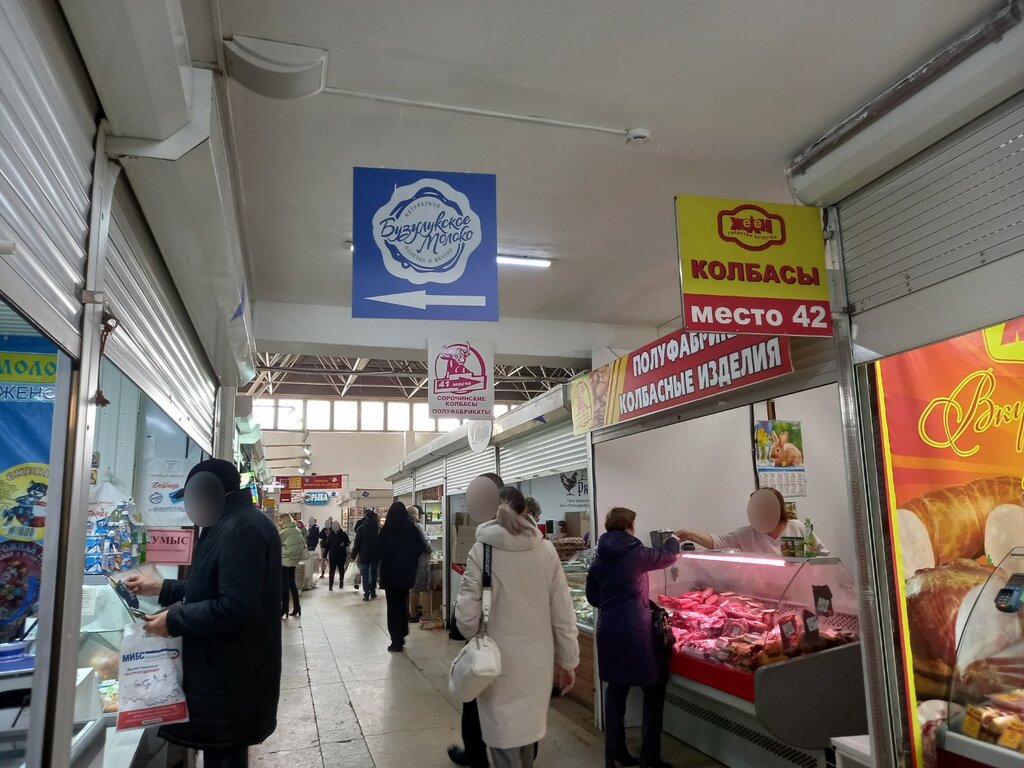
[425, 245]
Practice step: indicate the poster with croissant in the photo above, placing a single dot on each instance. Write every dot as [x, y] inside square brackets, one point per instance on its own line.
[952, 418]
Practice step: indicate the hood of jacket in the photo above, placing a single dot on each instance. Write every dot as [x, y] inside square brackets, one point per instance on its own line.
[615, 545]
[492, 533]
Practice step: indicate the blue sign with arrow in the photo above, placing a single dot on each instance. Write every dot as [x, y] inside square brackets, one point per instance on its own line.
[425, 245]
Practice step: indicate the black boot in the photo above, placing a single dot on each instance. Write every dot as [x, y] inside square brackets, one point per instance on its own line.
[625, 760]
[459, 757]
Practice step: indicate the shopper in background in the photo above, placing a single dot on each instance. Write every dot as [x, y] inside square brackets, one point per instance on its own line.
[533, 509]
[398, 549]
[423, 581]
[628, 650]
[312, 534]
[325, 532]
[532, 622]
[293, 548]
[226, 614]
[482, 504]
[337, 551]
[769, 523]
[364, 551]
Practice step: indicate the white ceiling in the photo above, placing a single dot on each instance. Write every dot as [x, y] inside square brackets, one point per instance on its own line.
[730, 91]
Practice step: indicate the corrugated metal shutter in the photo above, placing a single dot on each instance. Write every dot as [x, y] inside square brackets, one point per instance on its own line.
[430, 475]
[47, 133]
[403, 486]
[951, 209]
[814, 364]
[464, 467]
[544, 452]
[155, 344]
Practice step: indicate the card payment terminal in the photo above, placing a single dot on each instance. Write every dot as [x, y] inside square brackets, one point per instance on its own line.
[1008, 598]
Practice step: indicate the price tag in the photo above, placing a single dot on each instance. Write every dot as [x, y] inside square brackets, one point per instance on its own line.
[824, 605]
[788, 628]
[1012, 736]
[972, 723]
[89, 595]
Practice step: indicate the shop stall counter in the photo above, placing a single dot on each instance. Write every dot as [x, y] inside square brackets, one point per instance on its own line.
[766, 668]
[985, 714]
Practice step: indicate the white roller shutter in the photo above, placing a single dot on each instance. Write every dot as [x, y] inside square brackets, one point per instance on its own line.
[155, 344]
[47, 134]
[541, 453]
[464, 467]
[430, 475]
[403, 486]
[955, 208]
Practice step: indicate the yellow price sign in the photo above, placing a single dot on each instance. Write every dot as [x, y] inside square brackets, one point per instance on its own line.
[752, 267]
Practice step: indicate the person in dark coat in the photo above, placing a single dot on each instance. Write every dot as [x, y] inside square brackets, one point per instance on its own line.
[364, 551]
[337, 551]
[325, 532]
[398, 549]
[629, 654]
[226, 613]
[312, 534]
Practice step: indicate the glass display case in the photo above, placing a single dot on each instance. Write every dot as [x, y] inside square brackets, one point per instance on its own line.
[986, 701]
[576, 574]
[734, 612]
[766, 667]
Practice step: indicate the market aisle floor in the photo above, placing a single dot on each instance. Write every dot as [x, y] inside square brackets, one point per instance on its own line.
[348, 703]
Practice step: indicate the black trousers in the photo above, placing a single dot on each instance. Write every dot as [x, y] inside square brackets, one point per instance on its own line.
[398, 614]
[288, 586]
[229, 757]
[650, 729]
[472, 736]
[337, 564]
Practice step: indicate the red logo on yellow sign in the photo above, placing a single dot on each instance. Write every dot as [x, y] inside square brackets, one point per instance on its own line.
[751, 227]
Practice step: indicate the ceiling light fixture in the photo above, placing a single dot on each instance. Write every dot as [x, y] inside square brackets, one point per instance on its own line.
[523, 261]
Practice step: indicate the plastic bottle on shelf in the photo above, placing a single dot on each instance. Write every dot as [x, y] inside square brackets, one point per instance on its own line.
[810, 540]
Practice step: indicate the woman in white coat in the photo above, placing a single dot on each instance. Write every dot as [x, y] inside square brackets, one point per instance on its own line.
[533, 623]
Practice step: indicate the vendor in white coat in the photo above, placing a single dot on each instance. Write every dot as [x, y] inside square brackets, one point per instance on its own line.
[536, 636]
[769, 522]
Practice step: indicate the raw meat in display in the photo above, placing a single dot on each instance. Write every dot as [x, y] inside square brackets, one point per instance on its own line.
[740, 631]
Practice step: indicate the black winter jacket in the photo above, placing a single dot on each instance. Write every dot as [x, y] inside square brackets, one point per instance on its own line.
[228, 615]
[312, 537]
[365, 546]
[337, 546]
[399, 549]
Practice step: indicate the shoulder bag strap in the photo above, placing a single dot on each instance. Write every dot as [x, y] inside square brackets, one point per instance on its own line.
[486, 612]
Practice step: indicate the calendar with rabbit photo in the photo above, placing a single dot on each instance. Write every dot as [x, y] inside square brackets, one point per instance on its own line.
[779, 454]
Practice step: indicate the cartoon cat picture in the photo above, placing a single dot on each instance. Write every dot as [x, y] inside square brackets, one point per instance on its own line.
[24, 509]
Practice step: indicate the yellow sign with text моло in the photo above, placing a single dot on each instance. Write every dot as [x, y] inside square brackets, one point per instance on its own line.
[752, 267]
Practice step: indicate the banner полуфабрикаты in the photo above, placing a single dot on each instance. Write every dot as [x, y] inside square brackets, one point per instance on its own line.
[676, 369]
[952, 418]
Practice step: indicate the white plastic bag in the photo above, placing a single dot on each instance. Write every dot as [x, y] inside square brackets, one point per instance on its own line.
[149, 684]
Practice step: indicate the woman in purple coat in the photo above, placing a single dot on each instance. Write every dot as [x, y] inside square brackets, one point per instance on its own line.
[628, 652]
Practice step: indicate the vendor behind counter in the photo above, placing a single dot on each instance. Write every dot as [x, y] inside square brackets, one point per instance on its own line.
[769, 524]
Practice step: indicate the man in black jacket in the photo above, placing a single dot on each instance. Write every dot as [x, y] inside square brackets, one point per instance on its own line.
[226, 613]
[364, 551]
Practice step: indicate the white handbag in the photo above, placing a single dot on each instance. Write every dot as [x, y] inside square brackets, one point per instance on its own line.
[479, 661]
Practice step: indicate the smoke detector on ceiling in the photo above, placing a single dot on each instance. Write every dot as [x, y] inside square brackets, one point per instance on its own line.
[638, 136]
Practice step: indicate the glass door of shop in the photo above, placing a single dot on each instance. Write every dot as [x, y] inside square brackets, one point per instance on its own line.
[35, 383]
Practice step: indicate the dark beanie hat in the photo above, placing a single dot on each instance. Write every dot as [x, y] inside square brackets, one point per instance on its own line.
[224, 470]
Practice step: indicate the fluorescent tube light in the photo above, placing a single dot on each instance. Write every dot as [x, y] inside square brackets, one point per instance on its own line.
[745, 560]
[524, 261]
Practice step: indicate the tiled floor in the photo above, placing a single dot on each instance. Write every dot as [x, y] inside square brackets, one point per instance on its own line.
[348, 703]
